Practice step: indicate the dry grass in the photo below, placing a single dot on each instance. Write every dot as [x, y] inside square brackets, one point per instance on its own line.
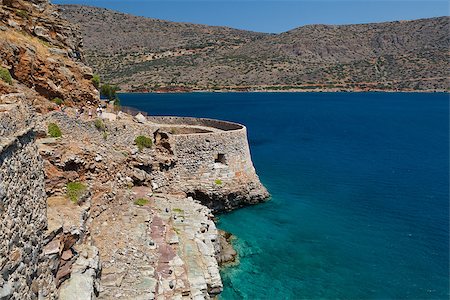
[22, 38]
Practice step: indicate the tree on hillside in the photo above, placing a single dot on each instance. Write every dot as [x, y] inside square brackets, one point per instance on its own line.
[110, 92]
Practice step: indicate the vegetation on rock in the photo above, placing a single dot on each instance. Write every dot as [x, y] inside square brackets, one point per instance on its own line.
[54, 131]
[22, 13]
[75, 190]
[5, 75]
[96, 81]
[99, 125]
[218, 182]
[141, 202]
[110, 92]
[178, 210]
[58, 101]
[143, 141]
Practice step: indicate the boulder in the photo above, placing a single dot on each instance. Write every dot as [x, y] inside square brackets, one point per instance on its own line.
[140, 118]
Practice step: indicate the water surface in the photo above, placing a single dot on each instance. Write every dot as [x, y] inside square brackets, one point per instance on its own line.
[359, 185]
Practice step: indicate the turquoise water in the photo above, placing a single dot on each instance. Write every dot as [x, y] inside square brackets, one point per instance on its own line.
[359, 186]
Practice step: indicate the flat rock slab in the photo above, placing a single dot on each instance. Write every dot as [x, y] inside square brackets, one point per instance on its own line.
[61, 212]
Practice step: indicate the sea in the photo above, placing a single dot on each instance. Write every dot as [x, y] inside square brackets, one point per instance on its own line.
[359, 185]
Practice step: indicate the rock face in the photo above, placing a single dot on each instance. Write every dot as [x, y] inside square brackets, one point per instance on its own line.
[25, 270]
[84, 273]
[43, 52]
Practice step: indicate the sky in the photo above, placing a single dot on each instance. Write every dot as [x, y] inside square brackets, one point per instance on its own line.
[275, 16]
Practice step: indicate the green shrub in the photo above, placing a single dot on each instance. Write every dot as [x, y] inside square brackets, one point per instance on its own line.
[178, 210]
[100, 125]
[22, 13]
[96, 81]
[75, 190]
[58, 101]
[141, 201]
[105, 135]
[5, 75]
[218, 182]
[117, 102]
[109, 91]
[143, 141]
[53, 130]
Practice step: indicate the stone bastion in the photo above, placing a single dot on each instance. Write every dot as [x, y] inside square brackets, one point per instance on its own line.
[207, 159]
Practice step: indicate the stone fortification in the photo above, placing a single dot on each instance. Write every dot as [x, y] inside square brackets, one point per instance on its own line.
[25, 272]
[168, 247]
[209, 160]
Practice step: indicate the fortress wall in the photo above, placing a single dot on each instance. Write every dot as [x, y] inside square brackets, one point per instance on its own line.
[218, 124]
[212, 156]
[214, 167]
[24, 271]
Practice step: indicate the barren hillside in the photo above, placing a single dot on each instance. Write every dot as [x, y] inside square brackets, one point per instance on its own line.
[147, 54]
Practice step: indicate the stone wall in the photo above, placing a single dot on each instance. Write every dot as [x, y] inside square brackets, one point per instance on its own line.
[214, 167]
[24, 271]
[217, 124]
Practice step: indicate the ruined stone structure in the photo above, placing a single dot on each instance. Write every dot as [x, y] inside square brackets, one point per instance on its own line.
[24, 271]
[207, 159]
[173, 239]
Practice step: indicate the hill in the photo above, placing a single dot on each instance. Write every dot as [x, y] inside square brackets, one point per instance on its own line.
[143, 54]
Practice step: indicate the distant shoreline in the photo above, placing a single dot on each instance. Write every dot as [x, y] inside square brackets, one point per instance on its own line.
[284, 91]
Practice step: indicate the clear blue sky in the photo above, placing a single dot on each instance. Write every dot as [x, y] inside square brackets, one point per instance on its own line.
[275, 15]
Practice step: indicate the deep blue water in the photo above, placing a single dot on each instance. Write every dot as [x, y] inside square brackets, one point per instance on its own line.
[360, 183]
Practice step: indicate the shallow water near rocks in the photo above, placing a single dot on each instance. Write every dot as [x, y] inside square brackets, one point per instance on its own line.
[359, 185]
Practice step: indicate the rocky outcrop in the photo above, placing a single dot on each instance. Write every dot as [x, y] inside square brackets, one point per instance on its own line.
[83, 282]
[43, 52]
[227, 254]
[153, 240]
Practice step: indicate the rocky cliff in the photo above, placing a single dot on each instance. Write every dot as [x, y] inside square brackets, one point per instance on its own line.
[142, 54]
[42, 53]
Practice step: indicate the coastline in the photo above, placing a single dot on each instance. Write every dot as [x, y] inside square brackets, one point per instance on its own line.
[284, 91]
[126, 204]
